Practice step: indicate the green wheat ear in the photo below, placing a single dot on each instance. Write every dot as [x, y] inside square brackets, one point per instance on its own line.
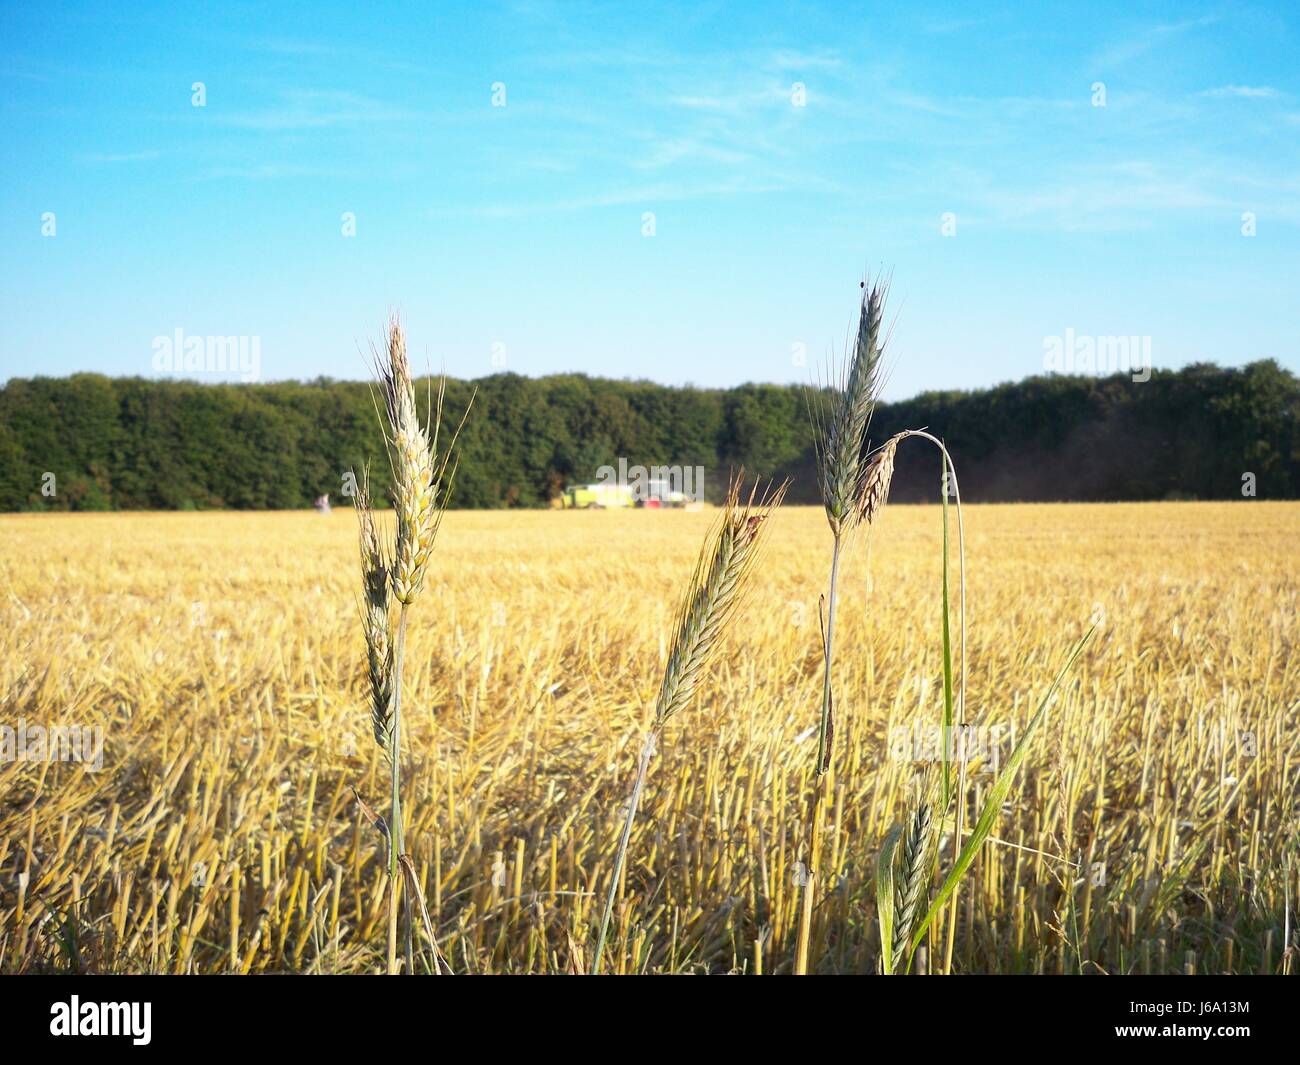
[715, 592]
[716, 589]
[841, 434]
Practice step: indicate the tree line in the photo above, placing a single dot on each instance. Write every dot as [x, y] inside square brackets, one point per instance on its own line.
[89, 442]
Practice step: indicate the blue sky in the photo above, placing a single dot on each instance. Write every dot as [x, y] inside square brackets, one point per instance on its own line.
[513, 236]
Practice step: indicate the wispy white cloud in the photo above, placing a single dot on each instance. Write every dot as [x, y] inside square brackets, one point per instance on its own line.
[940, 27]
[716, 120]
[1141, 41]
[121, 157]
[1249, 92]
[273, 172]
[300, 109]
[294, 47]
[689, 149]
[1123, 196]
[790, 59]
[646, 197]
[742, 100]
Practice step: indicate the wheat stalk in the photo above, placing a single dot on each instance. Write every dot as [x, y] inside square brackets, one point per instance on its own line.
[846, 480]
[421, 487]
[716, 590]
[954, 712]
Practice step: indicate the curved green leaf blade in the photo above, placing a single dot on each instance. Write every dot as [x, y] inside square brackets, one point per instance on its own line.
[997, 793]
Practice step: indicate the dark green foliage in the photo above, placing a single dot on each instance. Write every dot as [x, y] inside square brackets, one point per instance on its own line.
[129, 443]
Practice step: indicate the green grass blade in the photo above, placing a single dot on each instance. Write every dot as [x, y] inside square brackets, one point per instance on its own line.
[947, 646]
[997, 793]
[885, 896]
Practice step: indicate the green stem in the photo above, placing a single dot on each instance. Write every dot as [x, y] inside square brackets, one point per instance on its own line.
[948, 739]
[950, 472]
[822, 734]
[621, 857]
[824, 739]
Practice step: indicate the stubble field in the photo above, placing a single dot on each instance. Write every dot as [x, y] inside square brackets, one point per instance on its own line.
[1153, 827]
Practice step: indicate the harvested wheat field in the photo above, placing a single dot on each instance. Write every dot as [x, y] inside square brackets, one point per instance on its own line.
[1150, 829]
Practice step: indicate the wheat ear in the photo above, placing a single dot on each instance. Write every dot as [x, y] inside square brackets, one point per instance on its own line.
[913, 875]
[841, 448]
[415, 483]
[715, 591]
[376, 620]
[877, 475]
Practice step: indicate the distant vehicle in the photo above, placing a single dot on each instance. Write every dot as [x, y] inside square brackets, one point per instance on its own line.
[597, 497]
[661, 494]
[654, 495]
